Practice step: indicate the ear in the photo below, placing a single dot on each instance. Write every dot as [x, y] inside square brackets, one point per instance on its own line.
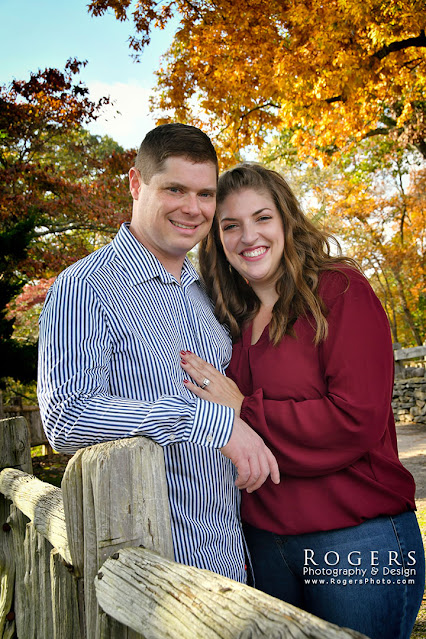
[135, 182]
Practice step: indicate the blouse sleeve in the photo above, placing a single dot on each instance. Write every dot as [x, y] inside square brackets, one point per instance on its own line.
[320, 436]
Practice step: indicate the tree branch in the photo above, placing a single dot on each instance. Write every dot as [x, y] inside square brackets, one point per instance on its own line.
[418, 41]
[195, 9]
[337, 98]
[412, 64]
[76, 226]
[258, 108]
[381, 130]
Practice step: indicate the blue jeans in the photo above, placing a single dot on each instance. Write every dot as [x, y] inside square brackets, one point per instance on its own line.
[369, 577]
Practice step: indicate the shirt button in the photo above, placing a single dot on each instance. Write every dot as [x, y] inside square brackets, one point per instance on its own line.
[209, 438]
[172, 437]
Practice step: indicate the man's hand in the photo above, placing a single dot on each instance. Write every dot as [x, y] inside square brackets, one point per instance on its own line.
[251, 457]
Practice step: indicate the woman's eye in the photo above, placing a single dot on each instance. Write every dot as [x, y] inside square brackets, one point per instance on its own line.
[228, 227]
[263, 218]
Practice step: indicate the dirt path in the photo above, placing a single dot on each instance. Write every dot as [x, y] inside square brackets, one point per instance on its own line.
[412, 452]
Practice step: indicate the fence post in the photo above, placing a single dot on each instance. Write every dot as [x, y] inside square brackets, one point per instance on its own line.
[115, 495]
[399, 368]
[15, 452]
[35, 426]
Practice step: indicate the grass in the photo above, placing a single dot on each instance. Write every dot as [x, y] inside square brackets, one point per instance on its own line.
[48, 467]
[419, 631]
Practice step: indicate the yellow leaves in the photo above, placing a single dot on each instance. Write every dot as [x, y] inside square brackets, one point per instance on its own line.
[331, 69]
[381, 221]
[406, 114]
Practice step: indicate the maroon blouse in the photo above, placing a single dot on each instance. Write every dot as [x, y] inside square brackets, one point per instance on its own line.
[325, 412]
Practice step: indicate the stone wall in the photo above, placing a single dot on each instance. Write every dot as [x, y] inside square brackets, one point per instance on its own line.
[409, 400]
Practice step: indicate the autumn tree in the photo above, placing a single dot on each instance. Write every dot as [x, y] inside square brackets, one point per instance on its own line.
[372, 199]
[62, 193]
[386, 232]
[333, 72]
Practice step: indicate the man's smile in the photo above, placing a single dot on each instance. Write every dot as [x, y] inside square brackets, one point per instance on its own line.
[180, 225]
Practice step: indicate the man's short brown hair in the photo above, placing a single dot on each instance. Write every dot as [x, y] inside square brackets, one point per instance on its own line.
[173, 140]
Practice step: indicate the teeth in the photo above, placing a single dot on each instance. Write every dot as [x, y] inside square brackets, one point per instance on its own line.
[255, 253]
[183, 226]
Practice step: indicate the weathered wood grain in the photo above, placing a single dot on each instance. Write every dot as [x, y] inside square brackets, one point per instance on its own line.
[34, 424]
[14, 452]
[65, 600]
[163, 599]
[7, 569]
[18, 523]
[46, 602]
[409, 353]
[115, 495]
[33, 596]
[41, 503]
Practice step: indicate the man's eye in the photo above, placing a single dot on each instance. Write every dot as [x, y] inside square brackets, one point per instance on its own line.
[206, 195]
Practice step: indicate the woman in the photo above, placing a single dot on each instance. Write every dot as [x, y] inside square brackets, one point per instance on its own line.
[312, 367]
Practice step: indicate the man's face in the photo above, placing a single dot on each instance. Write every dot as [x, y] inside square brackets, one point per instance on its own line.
[175, 210]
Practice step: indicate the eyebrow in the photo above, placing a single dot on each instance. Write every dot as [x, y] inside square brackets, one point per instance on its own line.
[233, 219]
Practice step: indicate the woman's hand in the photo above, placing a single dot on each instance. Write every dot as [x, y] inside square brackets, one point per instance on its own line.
[219, 389]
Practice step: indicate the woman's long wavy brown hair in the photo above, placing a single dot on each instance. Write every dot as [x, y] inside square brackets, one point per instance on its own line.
[306, 253]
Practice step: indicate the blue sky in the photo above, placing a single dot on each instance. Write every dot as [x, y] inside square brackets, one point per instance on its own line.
[44, 33]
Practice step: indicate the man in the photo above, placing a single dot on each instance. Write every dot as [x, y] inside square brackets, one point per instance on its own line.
[111, 333]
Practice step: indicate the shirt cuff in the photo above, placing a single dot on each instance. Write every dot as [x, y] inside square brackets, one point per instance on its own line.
[252, 407]
[212, 425]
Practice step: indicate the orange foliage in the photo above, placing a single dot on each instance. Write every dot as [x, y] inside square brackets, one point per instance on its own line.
[333, 71]
[63, 193]
[383, 225]
[70, 184]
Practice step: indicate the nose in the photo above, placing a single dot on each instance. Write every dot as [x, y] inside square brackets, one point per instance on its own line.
[249, 233]
[191, 205]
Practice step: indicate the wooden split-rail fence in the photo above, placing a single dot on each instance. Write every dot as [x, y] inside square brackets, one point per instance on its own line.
[95, 560]
[403, 356]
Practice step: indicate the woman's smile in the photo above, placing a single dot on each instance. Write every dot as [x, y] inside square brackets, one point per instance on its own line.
[255, 253]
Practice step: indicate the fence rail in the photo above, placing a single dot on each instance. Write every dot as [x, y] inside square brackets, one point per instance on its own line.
[415, 352]
[94, 560]
[160, 598]
[41, 503]
[404, 356]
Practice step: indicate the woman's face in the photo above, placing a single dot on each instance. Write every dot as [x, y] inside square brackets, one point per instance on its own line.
[252, 235]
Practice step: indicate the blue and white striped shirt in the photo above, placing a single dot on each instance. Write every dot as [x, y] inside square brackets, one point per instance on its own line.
[111, 332]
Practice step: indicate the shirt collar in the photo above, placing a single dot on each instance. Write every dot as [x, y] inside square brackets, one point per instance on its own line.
[141, 265]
